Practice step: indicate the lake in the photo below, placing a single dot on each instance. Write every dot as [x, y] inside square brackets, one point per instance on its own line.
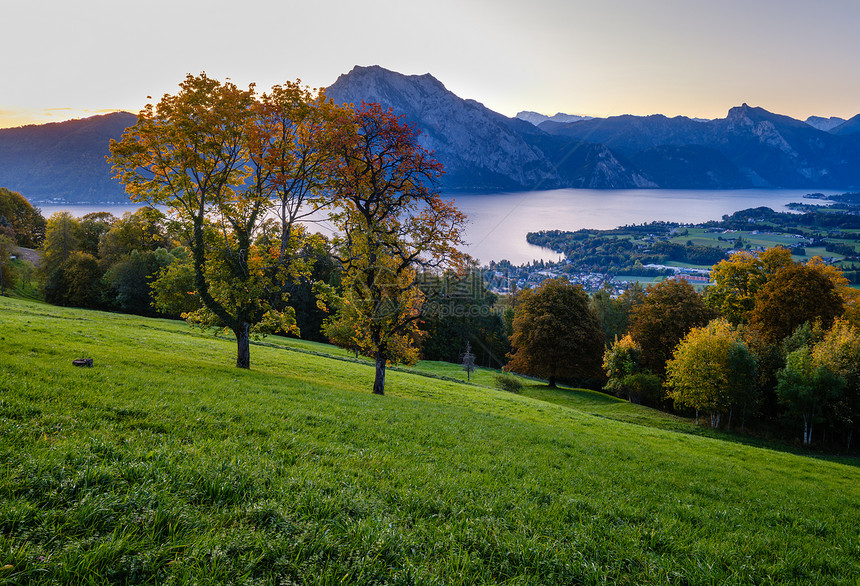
[498, 223]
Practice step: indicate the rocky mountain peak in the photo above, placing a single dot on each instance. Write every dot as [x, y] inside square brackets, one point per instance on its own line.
[536, 118]
[825, 124]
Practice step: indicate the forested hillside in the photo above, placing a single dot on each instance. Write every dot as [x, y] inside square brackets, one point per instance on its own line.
[63, 161]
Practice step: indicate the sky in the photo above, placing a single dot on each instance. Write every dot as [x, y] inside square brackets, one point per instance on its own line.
[66, 59]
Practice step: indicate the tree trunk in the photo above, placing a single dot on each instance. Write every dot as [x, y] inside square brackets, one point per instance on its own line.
[243, 345]
[379, 381]
[551, 382]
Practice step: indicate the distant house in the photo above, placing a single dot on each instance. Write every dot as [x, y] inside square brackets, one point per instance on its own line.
[692, 278]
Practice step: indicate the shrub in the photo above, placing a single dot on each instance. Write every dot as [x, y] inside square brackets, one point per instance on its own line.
[509, 383]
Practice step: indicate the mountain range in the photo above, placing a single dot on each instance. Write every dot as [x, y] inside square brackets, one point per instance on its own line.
[483, 151]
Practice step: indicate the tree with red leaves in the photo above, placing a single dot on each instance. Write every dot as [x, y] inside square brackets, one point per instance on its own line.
[392, 225]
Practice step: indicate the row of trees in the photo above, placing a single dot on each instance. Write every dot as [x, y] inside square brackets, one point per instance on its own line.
[238, 170]
[140, 263]
[772, 341]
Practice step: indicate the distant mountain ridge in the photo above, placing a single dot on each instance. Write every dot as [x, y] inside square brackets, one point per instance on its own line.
[825, 124]
[536, 118]
[750, 147]
[483, 151]
[63, 161]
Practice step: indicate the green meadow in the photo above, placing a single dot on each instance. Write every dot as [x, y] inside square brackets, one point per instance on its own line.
[164, 464]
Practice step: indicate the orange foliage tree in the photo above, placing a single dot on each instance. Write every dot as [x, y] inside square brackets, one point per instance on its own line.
[392, 226]
[217, 156]
[669, 310]
[794, 295]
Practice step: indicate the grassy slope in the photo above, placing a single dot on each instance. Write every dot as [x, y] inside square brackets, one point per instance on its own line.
[165, 464]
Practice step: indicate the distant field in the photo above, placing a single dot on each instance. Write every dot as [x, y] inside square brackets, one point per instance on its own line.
[643, 280]
[163, 464]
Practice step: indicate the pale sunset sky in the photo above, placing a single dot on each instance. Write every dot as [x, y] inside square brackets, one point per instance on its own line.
[70, 59]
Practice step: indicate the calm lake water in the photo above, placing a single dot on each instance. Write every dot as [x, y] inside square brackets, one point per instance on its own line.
[498, 223]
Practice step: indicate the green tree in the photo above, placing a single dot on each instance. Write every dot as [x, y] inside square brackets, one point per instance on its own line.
[141, 230]
[711, 371]
[316, 251]
[76, 282]
[614, 313]
[129, 279]
[8, 274]
[556, 334]
[805, 388]
[92, 227]
[26, 222]
[392, 225]
[62, 238]
[839, 351]
[461, 310]
[669, 310]
[172, 289]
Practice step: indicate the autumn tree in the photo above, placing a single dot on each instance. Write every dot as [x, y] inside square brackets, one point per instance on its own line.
[850, 296]
[711, 371]
[392, 225]
[189, 152]
[291, 144]
[210, 154]
[556, 334]
[795, 294]
[625, 377]
[669, 310]
[737, 280]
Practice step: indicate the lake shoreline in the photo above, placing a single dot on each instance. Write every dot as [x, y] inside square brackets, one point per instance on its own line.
[499, 222]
